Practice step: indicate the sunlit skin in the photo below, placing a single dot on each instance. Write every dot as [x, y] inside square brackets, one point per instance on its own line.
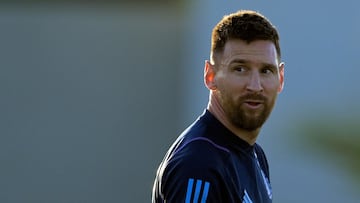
[244, 81]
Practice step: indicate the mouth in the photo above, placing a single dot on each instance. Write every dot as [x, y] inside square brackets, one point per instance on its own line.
[253, 103]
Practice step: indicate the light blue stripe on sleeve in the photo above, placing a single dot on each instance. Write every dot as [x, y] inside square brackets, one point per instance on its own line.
[197, 190]
[205, 192]
[189, 190]
[246, 198]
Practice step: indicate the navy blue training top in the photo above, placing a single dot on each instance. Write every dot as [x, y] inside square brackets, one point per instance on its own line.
[208, 163]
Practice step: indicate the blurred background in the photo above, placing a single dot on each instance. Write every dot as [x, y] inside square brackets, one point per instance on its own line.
[94, 92]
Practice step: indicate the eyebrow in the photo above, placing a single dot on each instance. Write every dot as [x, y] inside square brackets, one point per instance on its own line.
[243, 61]
[239, 61]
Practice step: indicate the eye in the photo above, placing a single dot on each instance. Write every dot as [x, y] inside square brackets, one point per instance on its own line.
[267, 70]
[240, 68]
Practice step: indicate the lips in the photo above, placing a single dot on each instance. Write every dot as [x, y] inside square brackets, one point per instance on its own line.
[253, 103]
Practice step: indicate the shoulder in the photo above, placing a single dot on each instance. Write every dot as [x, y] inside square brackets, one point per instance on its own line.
[197, 146]
[196, 166]
[197, 155]
[194, 169]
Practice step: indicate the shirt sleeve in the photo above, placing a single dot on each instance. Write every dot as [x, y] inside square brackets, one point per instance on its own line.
[193, 176]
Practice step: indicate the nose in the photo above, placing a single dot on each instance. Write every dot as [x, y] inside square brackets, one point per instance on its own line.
[254, 83]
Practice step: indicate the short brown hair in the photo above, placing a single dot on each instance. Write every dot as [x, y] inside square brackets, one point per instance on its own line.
[246, 25]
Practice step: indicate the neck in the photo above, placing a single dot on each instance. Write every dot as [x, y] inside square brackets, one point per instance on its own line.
[216, 109]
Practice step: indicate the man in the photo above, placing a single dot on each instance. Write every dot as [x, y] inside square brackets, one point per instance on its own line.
[217, 158]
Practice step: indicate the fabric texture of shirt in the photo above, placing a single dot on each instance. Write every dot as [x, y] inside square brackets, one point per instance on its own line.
[208, 163]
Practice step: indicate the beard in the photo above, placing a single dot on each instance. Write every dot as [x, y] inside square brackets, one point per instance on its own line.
[242, 117]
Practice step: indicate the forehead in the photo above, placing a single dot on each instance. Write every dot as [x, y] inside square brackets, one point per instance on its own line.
[258, 51]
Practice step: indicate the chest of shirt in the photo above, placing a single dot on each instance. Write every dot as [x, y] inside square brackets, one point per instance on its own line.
[247, 178]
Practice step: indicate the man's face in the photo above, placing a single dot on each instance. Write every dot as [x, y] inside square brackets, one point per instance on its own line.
[248, 79]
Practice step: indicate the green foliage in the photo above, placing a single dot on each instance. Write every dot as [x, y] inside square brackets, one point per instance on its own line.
[340, 140]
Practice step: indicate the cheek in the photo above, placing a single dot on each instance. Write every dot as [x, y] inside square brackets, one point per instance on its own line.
[272, 85]
[272, 94]
[231, 87]
[233, 82]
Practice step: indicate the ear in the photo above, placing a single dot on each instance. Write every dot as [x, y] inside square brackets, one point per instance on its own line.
[281, 76]
[209, 76]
